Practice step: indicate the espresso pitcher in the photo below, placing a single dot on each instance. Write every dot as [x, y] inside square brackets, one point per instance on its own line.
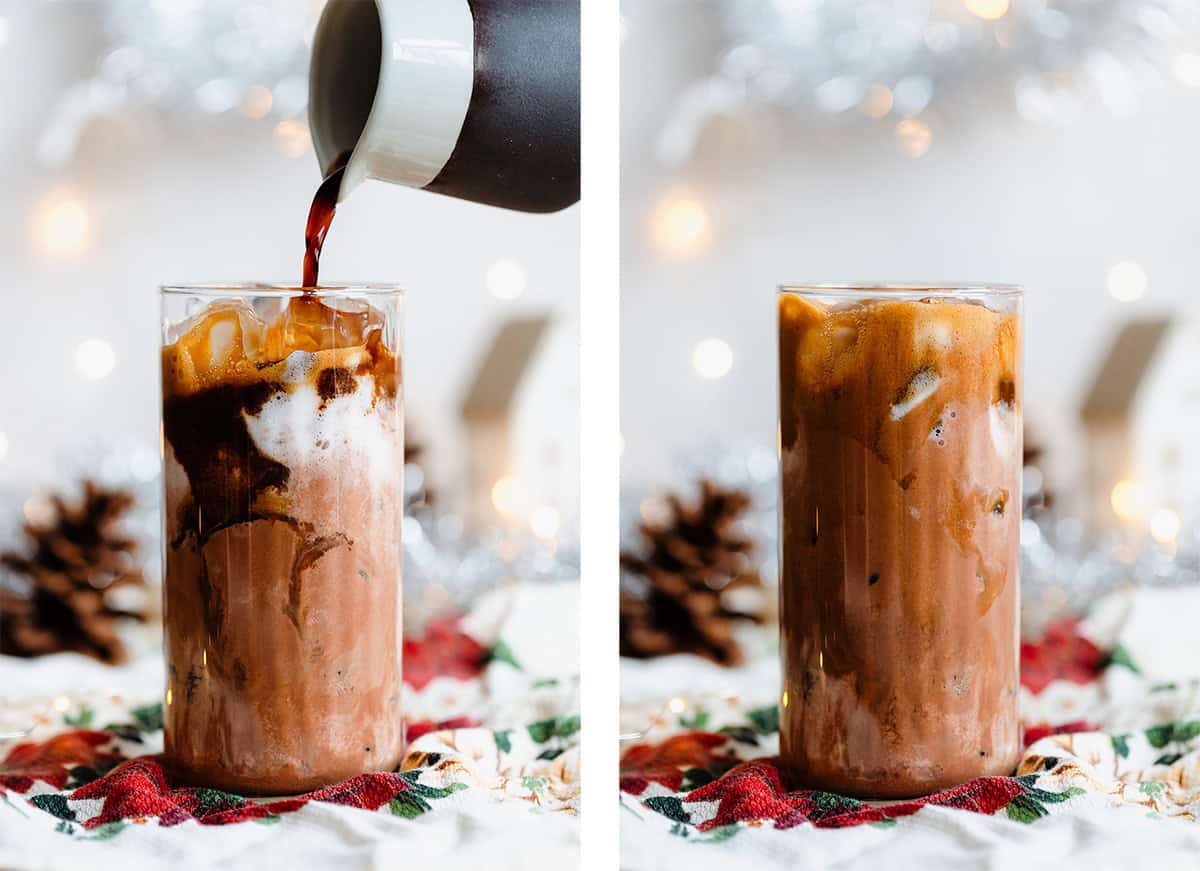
[477, 100]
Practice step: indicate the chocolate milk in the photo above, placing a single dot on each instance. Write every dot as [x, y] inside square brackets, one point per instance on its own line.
[284, 460]
[900, 445]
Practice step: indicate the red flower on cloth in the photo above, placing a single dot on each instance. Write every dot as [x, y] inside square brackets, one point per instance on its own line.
[424, 727]
[1044, 730]
[49, 761]
[444, 651]
[1062, 654]
[667, 762]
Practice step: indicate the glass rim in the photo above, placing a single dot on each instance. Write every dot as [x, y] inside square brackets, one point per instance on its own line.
[281, 290]
[905, 290]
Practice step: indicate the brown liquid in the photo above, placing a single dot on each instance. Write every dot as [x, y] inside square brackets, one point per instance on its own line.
[320, 216]
[900, 443]
[283, 451]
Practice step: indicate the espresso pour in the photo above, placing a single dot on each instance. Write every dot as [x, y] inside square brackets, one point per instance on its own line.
[320, 216]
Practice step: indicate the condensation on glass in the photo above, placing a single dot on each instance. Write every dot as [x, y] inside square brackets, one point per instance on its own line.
[900, 457]
[283, 446]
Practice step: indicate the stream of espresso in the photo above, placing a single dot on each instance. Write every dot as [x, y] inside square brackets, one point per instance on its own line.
[320, 216]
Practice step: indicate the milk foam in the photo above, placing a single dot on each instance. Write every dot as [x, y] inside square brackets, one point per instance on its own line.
[297, 428]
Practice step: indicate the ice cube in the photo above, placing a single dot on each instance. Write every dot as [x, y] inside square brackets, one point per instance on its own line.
[934, 332]
[310, 324]
[920, 387]
[844, 338]
[1002, 422]
[224, 333]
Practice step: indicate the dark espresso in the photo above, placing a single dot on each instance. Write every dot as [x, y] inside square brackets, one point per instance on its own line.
[320, 216]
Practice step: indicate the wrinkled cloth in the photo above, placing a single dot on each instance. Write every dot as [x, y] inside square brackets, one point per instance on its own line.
[490, 777]
[1110, 707]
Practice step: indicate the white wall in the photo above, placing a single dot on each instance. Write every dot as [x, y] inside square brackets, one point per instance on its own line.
[995, 199]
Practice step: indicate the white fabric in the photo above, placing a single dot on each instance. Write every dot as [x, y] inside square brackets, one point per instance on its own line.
[1110, 827]
[499, 822]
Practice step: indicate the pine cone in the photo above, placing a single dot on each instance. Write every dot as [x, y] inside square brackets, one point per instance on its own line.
[695, 561]
[1032, 454]
[78, 558]
[414, 451]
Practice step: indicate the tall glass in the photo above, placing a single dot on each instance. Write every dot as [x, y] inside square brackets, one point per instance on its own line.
[283, 451]
[900, 450]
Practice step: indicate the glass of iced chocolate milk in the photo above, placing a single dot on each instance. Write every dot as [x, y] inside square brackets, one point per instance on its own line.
[900, 451]
[283, 448]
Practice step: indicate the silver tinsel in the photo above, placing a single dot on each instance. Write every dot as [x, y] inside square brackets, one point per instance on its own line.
[445, 570]
[190, 57]
[880, 61]
[1064, 568]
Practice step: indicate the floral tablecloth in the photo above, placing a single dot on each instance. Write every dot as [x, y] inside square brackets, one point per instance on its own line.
[1110, 777]
[491, 777]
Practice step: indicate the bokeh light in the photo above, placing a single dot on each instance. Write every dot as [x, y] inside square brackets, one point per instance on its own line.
[95, 359]
[506, 279]
[681, 226]
[1128, 499]
[293, 137]
[1165, 526]
[507, 497]
[988, 10]
[544, 522]
[877, 101]
[712, 358]
[913, 137]
[61, 226]
[256, 102]
[1127, 281]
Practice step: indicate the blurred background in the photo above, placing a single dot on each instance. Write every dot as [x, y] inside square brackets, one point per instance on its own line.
[1050, 143]
[166, 141]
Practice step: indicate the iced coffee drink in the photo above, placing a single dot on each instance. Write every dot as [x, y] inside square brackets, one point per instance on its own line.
[283, 451]
[900, 445]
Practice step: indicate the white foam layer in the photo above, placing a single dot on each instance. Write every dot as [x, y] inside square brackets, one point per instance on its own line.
[296, 430]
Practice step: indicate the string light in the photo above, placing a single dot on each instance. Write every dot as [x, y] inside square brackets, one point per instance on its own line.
[544, 522]
[913, 137]
[256, 102]
[877, 102]
[1127, 281]
[1128, 499]
[506, 496]
[681, 225]
[61, 226]
[677, 705]
[654, 510]
[712, 358]
[38, 511]
[1165, 525]
[988, 10]
[62, 704]
[506, 279]
[293, 137]
[95, 359]
[1186, 68]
